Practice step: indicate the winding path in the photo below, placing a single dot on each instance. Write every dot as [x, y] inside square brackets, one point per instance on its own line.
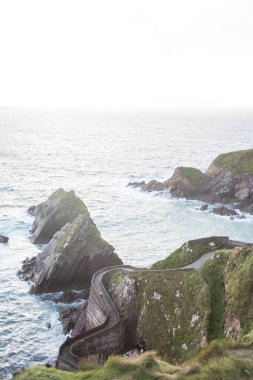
[96, 340]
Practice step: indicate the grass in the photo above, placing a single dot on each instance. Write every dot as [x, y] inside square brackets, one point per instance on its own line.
[172, 312]
[193, 175]
[218, 365]
[187, 254]
[146, 367]
[239, 162]
[239, 283]
[213, 274]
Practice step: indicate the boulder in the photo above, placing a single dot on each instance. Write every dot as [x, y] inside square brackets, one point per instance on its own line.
[4, 239]
[71, 258]
[49, 217]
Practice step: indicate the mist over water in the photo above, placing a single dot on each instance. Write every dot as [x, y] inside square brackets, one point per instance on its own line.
[97, 156]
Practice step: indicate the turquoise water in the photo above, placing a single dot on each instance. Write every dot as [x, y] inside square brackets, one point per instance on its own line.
[97, 155]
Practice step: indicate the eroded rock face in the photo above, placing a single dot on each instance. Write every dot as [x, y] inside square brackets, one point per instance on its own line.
[232, 327]
[49, 217]
[73, 319]
[71, 258]
[171, 310]
[229, 179]
[123, 294]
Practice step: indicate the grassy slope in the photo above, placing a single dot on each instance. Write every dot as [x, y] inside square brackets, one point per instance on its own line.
[173, 312]
[213, 274]
[193, 175]
[216, 363]
[187, 254]
[238, 162]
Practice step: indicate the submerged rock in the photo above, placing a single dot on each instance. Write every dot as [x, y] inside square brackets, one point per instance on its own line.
[4, 239]
[224, 211]
[49, 217]
[70, 259]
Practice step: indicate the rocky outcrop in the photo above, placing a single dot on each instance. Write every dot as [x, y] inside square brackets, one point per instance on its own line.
[223, 211]
[229, 179]
[49, 217]
[73, 319]
[168, 312]
[4, 239]
[71, 258]
[74, 253]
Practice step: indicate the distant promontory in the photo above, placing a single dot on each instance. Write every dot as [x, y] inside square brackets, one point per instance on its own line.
[229, 179]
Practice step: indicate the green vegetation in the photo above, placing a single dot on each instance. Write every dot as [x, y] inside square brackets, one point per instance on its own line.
[69, 232]
[238, 162]
[115, 280]
[218, 364]
[178, 312]
[193, 175]
[212, 271]
[188, 253]
[239, 283]
[173, 312]
[61, 194]
[145, 367]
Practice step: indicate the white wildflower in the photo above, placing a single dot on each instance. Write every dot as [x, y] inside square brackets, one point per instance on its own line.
[157, 296]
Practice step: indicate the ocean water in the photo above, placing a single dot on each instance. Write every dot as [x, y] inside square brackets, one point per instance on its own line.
[97, 155]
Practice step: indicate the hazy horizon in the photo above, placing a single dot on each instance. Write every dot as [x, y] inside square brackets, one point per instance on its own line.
[134, 55]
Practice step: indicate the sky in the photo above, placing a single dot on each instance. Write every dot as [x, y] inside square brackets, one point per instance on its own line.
[126, 54]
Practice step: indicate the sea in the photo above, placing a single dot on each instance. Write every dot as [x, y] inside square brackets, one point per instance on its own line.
[97, 154]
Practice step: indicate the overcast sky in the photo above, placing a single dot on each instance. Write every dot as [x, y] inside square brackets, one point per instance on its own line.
[126, 54]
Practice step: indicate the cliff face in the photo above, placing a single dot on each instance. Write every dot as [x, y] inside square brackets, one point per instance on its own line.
[229, 179]
[169, 312]
[74, 253]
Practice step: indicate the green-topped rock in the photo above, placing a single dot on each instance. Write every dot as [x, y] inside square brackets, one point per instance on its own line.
[74, 253]
[191, 251]
[229, 179]
[62, 207]
[71, 258]
[238, 162]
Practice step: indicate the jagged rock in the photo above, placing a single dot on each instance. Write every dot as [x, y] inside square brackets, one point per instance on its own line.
[204, 207]
[229, 179]
[224, 211]
[26, 272]
[136, 184]
[4, 239]
[70, 259]
[73, 319]
[68, 296]
[49, 217]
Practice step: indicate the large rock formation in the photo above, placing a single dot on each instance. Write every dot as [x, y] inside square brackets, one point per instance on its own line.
[229, 179]
[73, 254]
[49, 217]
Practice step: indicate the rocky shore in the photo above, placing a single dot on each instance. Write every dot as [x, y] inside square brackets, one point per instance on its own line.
[228, 180]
